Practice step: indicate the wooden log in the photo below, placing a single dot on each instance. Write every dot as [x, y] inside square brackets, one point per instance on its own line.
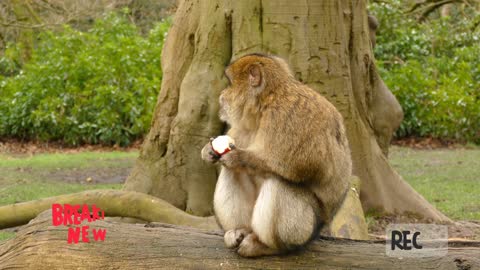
[39, 245]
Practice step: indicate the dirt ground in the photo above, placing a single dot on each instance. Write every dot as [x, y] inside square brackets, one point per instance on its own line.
[90, 175]
[16, 147]
[428, 143]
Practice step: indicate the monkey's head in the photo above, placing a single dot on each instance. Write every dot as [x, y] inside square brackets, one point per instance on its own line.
[251, 78]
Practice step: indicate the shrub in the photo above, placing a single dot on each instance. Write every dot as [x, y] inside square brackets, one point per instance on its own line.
[98, 86]
[433, 69]
[10, 62]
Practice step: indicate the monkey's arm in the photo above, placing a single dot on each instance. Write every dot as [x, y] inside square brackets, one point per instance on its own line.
[246, 160]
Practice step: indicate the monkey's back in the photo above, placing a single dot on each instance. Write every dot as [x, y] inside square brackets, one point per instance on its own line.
[310, 142]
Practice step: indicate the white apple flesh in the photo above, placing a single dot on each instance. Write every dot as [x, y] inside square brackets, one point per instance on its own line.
[221, 144]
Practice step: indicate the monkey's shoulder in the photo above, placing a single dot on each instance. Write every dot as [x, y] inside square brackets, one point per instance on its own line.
[303, 103]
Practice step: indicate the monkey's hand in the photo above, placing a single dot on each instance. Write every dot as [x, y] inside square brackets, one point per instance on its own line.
[246, 160]
[232, 159]
[208, 154]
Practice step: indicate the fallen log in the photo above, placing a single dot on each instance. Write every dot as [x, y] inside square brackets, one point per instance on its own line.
[39, 245]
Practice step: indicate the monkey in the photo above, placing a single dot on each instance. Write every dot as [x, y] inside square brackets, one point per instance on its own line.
[288, 170]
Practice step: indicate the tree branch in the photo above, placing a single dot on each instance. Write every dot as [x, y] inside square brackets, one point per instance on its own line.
[113, 202]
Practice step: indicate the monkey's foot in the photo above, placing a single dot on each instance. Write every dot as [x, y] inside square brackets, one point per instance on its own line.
[233, 238]
[252, 247]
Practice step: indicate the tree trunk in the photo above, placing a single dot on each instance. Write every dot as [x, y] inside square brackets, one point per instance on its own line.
[25, 14]
[39, 245]
[327, 45]
[446, 10]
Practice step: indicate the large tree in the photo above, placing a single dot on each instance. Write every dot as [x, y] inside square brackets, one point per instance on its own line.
[328, 47]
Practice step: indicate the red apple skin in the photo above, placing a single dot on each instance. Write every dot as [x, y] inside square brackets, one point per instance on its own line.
[220, 153]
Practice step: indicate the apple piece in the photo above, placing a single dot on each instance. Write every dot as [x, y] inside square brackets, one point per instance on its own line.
[221, 144]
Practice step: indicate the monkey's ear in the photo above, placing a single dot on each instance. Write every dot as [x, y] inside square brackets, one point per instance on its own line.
[255, 75]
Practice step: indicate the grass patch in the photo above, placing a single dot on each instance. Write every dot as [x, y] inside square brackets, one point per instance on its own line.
[25, 178]
[70, 160]
[34, 190]
[6, 235]
[447, 178]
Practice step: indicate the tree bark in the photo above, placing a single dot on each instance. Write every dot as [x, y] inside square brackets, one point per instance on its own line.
[39, 245]
[24, 13]
[327, 45]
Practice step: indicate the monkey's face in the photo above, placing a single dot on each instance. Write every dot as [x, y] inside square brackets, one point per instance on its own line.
[224, 100]
[231, 102]
[224, 108]
[232, 99]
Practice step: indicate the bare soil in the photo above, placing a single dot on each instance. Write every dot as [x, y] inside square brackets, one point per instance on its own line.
[18, 147]
[89, 175]
[428, 143]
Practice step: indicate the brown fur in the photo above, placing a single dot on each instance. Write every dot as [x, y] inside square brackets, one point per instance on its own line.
[290, 167]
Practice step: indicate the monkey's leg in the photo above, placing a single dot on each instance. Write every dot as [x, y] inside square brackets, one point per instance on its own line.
[285, 217]
[233, 203]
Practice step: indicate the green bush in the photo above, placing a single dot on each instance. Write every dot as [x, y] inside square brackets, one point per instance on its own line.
[433, 69]
[10, 62]
[98, 86]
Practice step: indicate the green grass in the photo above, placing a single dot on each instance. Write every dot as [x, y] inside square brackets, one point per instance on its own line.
[33, 177]
[6, 235]
[34, 190]
[449, 179]
[26, 178]
[76, 160]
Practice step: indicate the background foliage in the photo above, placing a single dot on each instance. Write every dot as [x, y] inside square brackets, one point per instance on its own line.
[433, 68]
[96, 79]
[94, 86]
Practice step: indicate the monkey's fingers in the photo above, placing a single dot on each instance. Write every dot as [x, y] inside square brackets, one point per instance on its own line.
[232, 146]
[214, 155]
